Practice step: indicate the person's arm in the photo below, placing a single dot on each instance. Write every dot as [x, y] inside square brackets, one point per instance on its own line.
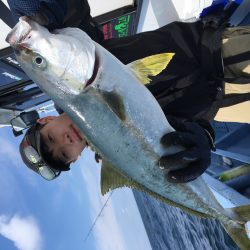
[55, 14]
[198, 140]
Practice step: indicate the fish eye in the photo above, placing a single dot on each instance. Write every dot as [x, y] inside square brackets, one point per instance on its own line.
[39, 62]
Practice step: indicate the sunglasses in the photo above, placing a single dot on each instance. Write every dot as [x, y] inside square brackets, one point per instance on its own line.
[36, 163]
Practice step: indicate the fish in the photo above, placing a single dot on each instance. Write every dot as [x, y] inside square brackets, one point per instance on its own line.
[120, 118]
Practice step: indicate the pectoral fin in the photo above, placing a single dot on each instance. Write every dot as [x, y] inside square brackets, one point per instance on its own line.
[150, 66]
[115, 103]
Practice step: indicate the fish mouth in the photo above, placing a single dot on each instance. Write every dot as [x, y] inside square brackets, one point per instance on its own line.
[95, 72]
[19, 34]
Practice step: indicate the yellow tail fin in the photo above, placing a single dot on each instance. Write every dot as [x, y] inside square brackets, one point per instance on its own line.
[242, 211]
[239, 234]
[238, 229]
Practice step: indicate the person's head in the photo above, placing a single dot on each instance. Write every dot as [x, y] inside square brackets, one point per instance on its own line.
[51, 145]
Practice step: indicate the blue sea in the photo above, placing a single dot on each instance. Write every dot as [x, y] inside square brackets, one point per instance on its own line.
[171, 228]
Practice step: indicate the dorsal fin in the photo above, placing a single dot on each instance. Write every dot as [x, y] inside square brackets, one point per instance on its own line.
[111, 178]
[150, 66]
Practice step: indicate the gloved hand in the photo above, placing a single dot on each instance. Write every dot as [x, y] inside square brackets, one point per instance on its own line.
[194, 160]
[44, 18]
[56, 14]
[49, 13]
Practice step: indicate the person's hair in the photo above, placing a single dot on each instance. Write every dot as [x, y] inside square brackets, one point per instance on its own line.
[54, 163]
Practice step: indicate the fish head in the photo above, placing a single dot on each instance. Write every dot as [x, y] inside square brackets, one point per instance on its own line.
[64, 57]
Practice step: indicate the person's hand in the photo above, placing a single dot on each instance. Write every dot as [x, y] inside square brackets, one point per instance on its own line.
[195, 159]
[41, 18]
[58, 14]
[47, 13]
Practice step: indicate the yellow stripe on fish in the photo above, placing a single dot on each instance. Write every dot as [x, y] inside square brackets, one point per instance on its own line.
[112, 178]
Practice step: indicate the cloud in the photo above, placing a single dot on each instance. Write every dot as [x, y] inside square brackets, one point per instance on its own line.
[9, 152]
[24, 232]
[105, 238]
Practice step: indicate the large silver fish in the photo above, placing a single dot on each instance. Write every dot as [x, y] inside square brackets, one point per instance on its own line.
[117, 114]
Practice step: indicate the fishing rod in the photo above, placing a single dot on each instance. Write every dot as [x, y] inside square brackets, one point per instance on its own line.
[99, 214]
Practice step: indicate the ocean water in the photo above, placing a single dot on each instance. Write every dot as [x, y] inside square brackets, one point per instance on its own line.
[171, 228]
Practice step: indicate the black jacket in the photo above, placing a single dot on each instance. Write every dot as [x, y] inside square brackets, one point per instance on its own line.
[184, 89]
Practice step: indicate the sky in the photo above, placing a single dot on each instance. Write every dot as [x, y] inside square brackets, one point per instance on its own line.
[36, 214]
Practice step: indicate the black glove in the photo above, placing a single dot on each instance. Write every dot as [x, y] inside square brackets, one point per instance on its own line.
[197, 139]
[56, 14]
[49, 13]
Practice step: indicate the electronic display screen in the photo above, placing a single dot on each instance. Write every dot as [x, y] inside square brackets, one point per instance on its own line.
[119, 27]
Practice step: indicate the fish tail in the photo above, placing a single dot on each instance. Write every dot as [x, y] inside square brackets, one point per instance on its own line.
[238, 229]
[242, 212]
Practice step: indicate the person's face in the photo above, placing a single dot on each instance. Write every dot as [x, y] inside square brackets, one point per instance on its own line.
[62, 137]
